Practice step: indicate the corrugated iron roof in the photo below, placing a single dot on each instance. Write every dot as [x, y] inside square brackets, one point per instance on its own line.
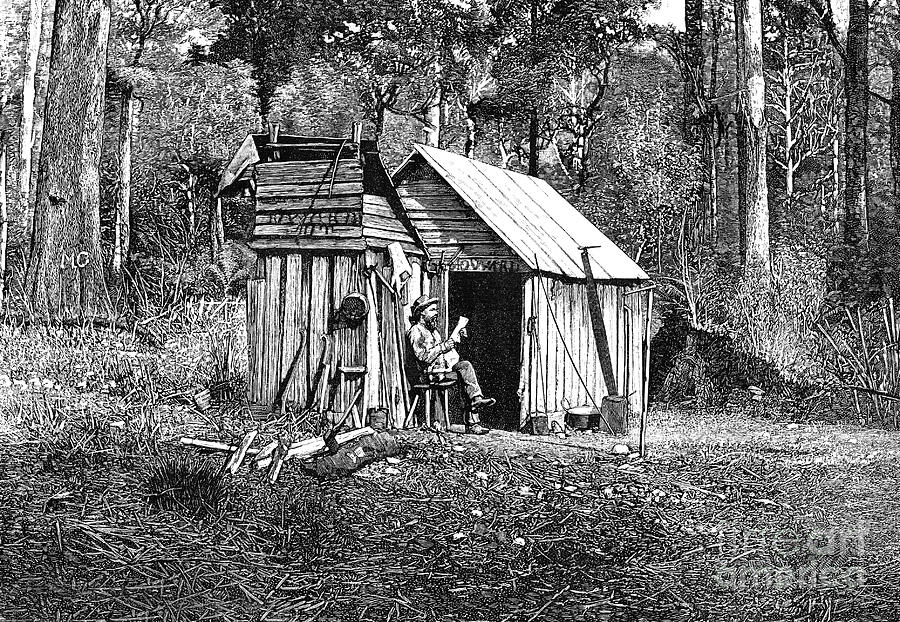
[534, 220]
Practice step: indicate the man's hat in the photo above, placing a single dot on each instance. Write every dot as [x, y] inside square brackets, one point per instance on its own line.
[420, 303]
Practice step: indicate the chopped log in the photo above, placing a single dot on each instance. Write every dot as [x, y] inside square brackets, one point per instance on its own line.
[238, 457]
[315, 445]
[201, 444]
[268, 455]
[264, 457]
[277, 462]
[354, 455]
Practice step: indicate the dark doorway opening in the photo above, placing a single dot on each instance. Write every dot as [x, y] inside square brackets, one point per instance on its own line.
[493, 304]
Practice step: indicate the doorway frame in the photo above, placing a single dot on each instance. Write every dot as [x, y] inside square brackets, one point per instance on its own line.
[513, 420]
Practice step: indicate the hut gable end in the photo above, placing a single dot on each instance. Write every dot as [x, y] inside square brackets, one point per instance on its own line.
[447, 225]
[319, 194]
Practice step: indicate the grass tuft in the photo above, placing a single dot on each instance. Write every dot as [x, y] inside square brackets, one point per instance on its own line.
[186, 484]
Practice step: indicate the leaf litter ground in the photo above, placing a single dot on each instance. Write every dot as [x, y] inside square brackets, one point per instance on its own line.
[729, 518]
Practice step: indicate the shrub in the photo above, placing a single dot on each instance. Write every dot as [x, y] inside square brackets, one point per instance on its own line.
[743, 331]
[776, 320]
[865, 343]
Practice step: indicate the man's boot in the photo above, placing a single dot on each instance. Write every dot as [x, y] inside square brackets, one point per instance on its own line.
[473, 422]
[481, 402]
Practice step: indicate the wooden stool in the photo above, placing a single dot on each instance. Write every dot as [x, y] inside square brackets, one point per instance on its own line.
[353, 373]
[431, 390]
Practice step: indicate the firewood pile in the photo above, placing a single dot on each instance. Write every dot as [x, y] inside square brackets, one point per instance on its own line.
[328, 455]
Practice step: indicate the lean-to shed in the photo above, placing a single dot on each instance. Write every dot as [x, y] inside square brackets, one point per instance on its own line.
[505, 250]
[321, 324]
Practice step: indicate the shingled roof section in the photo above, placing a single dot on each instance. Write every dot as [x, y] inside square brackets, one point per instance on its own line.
[534, 220]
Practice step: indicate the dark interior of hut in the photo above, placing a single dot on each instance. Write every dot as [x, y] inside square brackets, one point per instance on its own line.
[493, 303]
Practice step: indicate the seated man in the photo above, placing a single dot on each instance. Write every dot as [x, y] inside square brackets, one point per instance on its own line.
[429, 350]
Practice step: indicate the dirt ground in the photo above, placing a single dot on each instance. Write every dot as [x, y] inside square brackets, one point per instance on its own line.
[729, 517]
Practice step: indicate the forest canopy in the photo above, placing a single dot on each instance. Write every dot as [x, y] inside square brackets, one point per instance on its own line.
[749, 155]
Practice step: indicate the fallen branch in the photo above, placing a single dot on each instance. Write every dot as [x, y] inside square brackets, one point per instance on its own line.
[884, 394]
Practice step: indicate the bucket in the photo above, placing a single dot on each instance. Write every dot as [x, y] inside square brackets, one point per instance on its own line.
[615, 411]
[579, 417]
[540, 425]
[612, 409]
[378, 418]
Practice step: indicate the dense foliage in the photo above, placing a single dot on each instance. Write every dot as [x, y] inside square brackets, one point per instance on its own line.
[634, 120]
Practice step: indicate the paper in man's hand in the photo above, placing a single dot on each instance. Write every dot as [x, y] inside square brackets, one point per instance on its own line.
[459, 331]
[451, 358]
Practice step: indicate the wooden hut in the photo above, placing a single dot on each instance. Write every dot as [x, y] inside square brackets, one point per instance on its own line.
[505, 250]
[322, 318]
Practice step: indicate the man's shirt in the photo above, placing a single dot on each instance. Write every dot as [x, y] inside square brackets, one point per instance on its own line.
[428, 347]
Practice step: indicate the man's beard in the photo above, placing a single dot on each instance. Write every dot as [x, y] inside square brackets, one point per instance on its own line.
[430, 323]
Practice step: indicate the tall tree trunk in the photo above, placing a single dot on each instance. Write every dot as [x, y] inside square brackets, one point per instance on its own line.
[856, 117]
[505, 155]
[471, 127]
[217, 229]
[379, 120]
[698, 119]
[579, 157]
[742, 165]
[837, 227]
[42, 79]
[432, 127]
[713, 129]
[752, 128]
[65, 274]
[128, 119]
[433, 110]
[26, 129]
[693, 70]
[533, 143]
[4, 220]
[787, 104]
[710, 158]
[895, 131]
[533, 126]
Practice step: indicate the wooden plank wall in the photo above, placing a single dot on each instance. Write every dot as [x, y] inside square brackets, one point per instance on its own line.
[255, 353]
[350, 342]
[319, 305]
[384, 340]
[445, 222]
[309, 178]
[296, 200]
[295, 333]
[264, 318]
[292, 305]
[551, 382]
